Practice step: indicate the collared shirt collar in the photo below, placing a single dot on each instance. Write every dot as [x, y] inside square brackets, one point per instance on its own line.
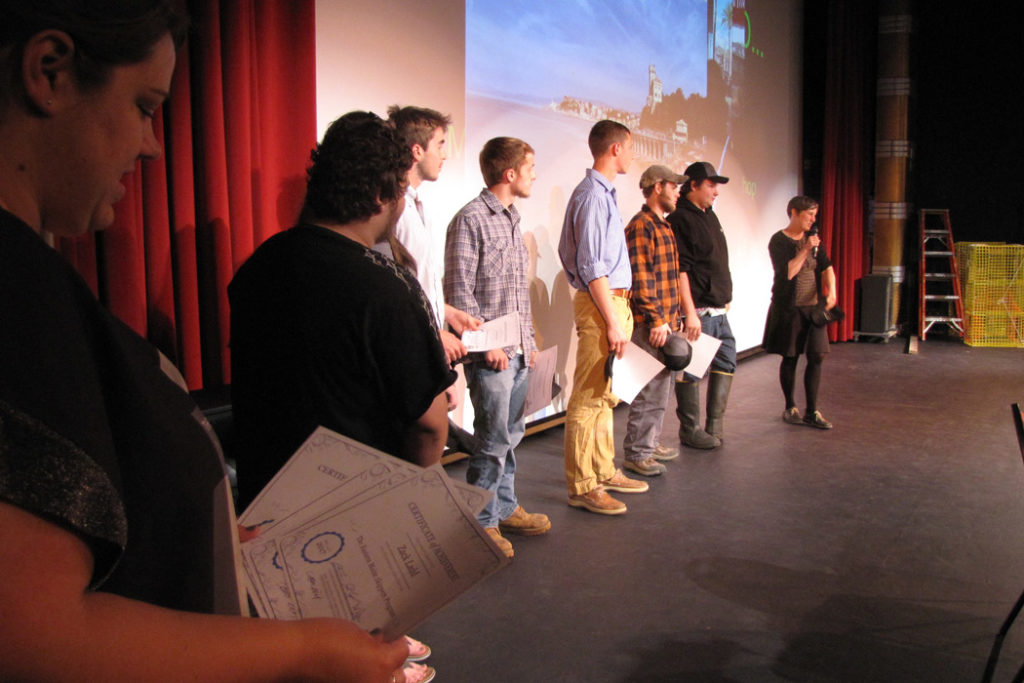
[653, 214]
[492, 201]
[596, 175]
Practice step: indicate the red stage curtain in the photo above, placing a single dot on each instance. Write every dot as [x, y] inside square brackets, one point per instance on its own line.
[848, 150]
[237, 134]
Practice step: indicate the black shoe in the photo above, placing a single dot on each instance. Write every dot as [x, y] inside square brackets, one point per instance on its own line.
[816, 420]
[792, 416]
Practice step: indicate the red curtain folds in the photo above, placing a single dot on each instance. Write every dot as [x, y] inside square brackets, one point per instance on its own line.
[237, 133]
[847, 150]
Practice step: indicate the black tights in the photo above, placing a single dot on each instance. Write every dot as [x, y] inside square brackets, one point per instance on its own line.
[812, 379]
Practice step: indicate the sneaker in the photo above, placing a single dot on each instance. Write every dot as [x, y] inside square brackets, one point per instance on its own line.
[623, 484]
[664, 453]
[816, 420]
[525, 523]
[649, 467]
[418, 673]
[598, 501]
[792, 416]
[417, 651]
[500, 541]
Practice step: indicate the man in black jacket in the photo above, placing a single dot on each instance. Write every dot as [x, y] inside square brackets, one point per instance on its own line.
[704, 280]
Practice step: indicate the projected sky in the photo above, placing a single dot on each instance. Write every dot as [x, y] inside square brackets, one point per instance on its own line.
[535, 52]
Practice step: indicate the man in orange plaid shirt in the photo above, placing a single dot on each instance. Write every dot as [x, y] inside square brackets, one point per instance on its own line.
[657, 307]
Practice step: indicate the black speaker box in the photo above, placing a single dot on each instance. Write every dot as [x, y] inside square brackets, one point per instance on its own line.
[875, 303]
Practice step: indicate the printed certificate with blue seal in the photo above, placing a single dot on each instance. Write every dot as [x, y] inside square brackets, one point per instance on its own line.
[350, 532]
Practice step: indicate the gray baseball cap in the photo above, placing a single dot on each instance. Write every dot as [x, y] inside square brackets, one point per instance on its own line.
[658, 173]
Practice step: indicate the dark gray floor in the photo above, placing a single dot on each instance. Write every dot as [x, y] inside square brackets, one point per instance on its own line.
[888, 549]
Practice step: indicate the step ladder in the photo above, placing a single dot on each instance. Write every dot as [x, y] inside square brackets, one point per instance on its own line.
[939, 298]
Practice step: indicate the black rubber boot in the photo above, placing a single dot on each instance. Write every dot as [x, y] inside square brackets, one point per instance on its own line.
[718, 397]
[688, 410]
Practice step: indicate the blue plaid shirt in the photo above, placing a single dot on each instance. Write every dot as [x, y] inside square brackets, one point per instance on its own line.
[485, 262]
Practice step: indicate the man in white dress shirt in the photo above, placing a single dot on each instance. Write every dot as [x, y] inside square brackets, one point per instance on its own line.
[425, 130]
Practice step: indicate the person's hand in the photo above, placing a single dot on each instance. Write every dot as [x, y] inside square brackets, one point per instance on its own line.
[617, 340]
[533, 359]
[247, 533]
[691, 327]
[454, 349]
[352, 654]
[659, 335]
[496, 359]
[830, 301]
[812, 242]
[453, 398]
[460, 320]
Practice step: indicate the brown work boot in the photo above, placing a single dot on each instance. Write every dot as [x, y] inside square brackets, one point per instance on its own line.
[665, 453]
[623, 484]
[500, 541]
[598, 501]
[525, 523]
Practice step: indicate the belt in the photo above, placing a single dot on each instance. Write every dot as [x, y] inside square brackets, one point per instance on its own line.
[621, 293]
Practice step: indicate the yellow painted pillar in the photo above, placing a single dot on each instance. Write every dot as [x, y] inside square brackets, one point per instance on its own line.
[892, 148]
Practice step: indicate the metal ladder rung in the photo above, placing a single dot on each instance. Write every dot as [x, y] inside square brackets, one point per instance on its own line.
[938, 253]
[941, 297]
[938, 276]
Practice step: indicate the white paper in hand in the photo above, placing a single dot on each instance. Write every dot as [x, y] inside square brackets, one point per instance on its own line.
[633, 371]
[702, 353]
[494, 334]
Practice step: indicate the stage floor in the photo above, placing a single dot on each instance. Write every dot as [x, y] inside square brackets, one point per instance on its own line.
[888, 549]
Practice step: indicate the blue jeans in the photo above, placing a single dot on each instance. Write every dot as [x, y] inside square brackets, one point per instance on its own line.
[499, 423]
[647, 411]
[725, 359]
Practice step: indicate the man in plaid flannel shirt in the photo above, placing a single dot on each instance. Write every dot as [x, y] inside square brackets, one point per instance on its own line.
[657, 307]
[485, 275]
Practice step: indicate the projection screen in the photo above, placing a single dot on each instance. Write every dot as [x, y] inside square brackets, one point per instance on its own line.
[693, 80]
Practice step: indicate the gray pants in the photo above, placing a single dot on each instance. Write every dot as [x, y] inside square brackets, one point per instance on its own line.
[646, 413]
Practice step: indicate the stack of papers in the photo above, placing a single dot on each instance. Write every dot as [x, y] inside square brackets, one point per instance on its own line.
[350, 532]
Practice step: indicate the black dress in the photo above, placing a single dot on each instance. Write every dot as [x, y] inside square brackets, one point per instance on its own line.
[788, 330]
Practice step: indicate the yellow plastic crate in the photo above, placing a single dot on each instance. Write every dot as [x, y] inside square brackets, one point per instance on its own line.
[994, 296]
[981, 261]
[994, 328]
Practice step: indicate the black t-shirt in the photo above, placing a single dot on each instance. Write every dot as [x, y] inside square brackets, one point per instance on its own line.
[325, 331]
[703, 254]
[96, 438]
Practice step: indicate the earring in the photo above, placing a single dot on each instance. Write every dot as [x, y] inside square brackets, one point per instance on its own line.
[49, 103]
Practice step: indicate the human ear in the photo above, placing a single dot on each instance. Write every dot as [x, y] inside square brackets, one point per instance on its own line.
[47, 68]
[417, 152]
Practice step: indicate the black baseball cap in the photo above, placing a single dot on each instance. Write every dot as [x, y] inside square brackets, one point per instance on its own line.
[699, 170]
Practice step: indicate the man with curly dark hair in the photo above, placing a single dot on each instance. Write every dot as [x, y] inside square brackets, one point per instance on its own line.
[326, 331]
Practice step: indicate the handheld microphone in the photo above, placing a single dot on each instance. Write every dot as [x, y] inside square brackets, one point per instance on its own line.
[813, 231]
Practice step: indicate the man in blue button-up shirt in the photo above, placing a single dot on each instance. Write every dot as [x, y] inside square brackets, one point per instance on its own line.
[593, 253]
